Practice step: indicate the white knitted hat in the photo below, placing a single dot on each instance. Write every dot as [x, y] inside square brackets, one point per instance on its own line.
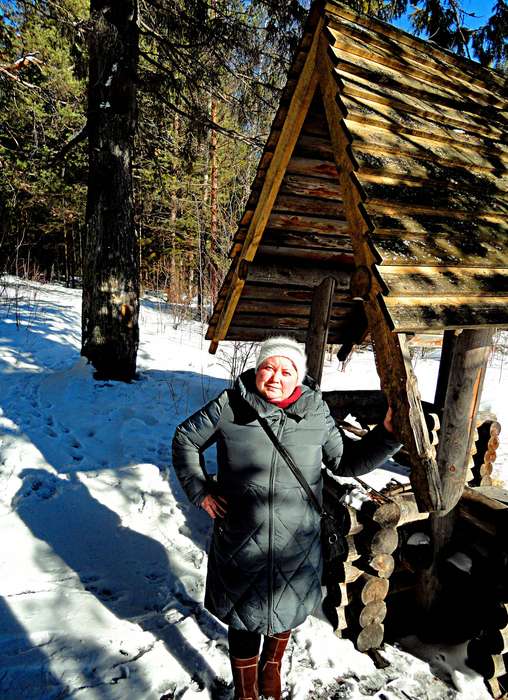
[286, 347]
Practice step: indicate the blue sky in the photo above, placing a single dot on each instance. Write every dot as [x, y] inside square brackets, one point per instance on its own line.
[481, 8]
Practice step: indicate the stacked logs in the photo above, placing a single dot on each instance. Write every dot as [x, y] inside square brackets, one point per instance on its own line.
[358, 585]
[483, 525]
[486, 444]
[488, 652]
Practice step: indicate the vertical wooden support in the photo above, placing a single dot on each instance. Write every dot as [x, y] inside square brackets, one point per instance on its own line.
[317, 334]
[449, 338]
[465, 381]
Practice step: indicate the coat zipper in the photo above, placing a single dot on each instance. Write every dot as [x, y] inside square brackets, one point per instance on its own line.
[271, 566]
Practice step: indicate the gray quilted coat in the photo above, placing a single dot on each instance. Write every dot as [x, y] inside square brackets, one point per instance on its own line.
[264, 564]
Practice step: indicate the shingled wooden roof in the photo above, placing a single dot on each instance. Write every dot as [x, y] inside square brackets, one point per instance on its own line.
[387, 155]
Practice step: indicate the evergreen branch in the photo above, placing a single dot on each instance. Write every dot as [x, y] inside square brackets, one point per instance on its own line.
[17, 79]
[76, 138]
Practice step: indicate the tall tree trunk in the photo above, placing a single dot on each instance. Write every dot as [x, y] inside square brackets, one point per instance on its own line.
[110, 264]
[214, 216]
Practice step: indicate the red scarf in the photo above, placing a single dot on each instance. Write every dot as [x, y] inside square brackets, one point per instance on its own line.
[290, 399]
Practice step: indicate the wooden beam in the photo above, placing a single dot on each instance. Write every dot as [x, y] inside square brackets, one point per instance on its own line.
[449, 338]
[292, 275]
[373, 55]
[471, 350]
[467, 371]
[317, 334]
[392, 354]
[368, 406]
[377, 140]
[434, 313]
[441, 247]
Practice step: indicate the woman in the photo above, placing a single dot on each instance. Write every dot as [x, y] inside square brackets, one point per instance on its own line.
[264, 564]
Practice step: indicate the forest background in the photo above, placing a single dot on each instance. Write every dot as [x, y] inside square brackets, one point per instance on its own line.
[209, 79]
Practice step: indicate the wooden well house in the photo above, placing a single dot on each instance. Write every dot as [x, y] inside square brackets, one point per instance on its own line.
[378, 212]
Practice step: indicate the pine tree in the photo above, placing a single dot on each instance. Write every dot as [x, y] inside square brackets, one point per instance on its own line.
[110, 333]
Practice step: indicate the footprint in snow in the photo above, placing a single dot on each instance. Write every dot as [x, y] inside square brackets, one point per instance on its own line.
[52, 433]
[150, 420]
[155, 576]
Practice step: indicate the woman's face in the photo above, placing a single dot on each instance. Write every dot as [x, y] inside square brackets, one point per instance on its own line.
[276, 378]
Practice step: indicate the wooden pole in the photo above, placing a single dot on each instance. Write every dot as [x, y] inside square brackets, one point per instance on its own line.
[317, 333]
[449, 338]
[465, 380]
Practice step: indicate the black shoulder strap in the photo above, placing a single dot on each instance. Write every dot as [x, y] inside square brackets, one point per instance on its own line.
[290, 462]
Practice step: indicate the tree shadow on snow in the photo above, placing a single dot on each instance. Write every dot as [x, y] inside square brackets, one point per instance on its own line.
[23, 665]
[129, 573]
[79, 424]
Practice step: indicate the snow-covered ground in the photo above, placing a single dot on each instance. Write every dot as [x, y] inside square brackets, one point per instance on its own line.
[103, 561]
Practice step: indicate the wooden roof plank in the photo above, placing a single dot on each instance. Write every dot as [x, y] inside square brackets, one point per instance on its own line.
[429, 313]
[337, 254]
[412, 101]
[401, 44]
[404, 208]
[404, 111]
[338, 239]
[415, 122]
[292, 292]
[406, 248]
[327, 208]
[309, 224]
[376, 140]
[375, 53]
[445, 198]
[375, 166]
[436, 89]
[419, 280]
[311, 146]
[388, 220]
[313, 167]
[311, 187]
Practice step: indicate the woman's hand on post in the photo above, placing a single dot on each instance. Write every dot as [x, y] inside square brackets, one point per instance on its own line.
[214, 506]
[388, 420]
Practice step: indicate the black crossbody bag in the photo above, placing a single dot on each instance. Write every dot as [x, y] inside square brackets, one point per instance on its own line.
[332, 542]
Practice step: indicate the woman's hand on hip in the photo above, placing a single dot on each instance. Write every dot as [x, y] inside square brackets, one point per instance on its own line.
[214, 506]
[388, 421]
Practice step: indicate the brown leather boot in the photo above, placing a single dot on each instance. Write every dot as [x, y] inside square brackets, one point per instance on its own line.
[245, 678]
[270, 663]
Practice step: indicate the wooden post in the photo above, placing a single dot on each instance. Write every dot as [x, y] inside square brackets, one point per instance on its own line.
[465, 381]
[449, 338]
[317, 333]
[467, 372]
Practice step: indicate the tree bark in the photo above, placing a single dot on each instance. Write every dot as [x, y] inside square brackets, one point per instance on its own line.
[110, 333]
[467, 365]
[214, 209]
